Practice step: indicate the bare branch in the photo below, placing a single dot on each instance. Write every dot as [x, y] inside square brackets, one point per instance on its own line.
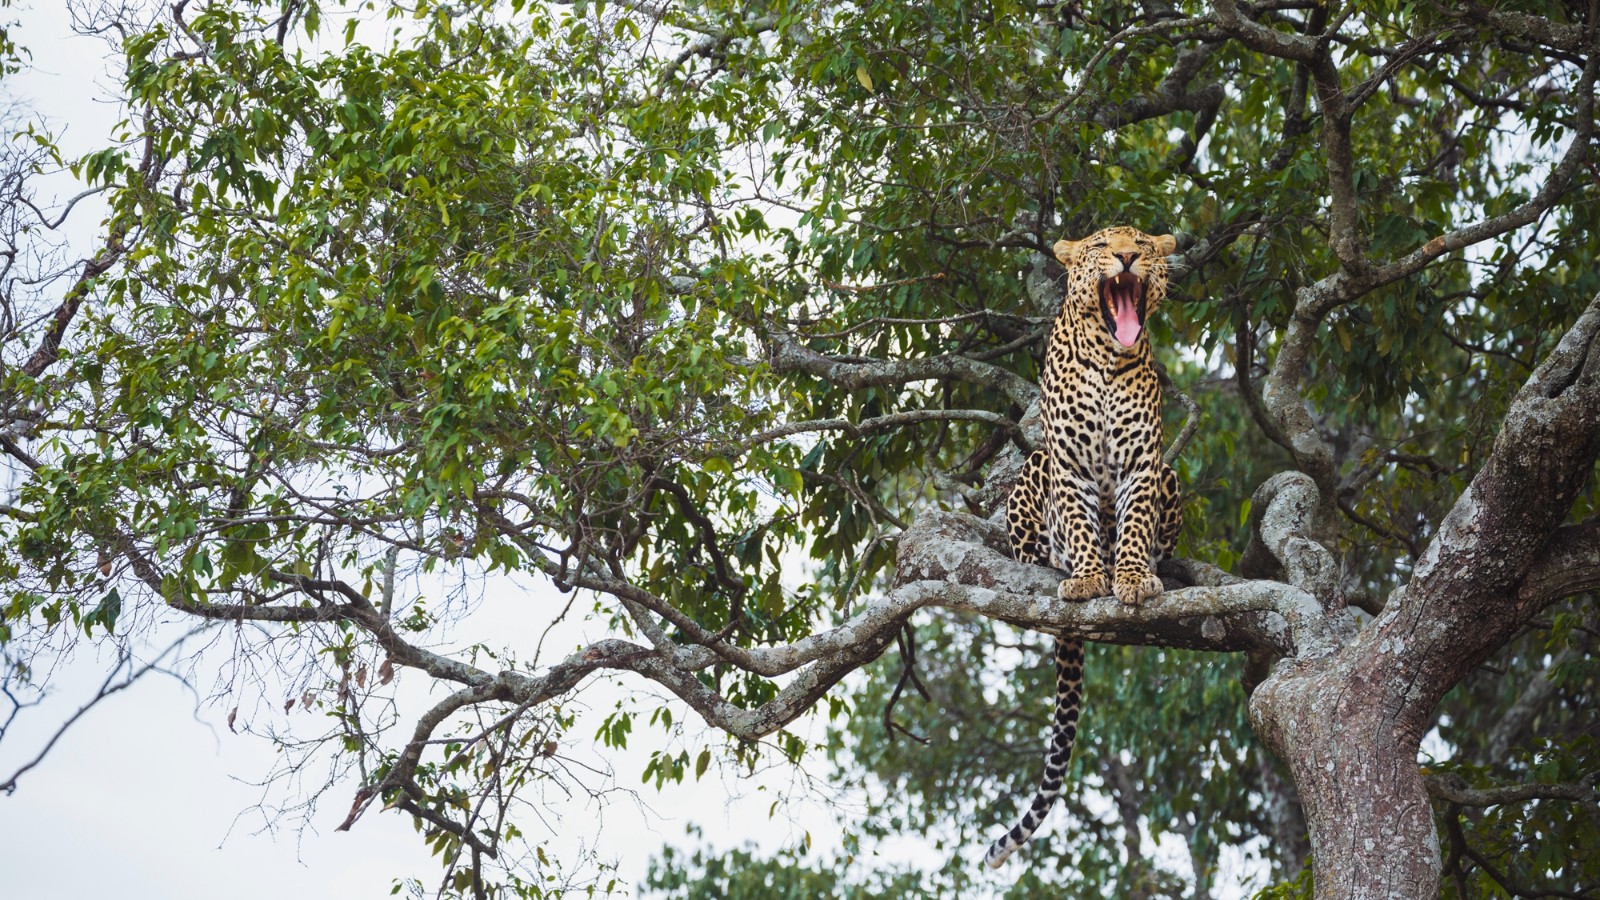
[877, 321]
[1256, 36]
[66, 210]
[1170, 95]
[1569, 564]
[1538, 29]
[1452, 788]
[712, 42]
[787, 355]
[1126, 34]
[110, 686]
[883, 423]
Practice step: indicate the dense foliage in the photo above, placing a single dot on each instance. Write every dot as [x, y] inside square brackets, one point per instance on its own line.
[659, 301]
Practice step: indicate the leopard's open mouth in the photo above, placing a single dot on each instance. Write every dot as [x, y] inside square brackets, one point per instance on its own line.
[1122, 304]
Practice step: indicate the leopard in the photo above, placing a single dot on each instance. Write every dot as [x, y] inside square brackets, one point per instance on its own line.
[1096, 501]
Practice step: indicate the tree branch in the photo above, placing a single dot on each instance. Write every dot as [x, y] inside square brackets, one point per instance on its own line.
[1499, 555]
[1258, 37]
[1555, 185]
[1452, 788]
[787, 355]
[1538, 29]
[883, 423]
[108, 687]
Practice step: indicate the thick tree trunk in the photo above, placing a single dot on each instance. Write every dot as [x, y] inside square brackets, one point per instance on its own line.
[1350, 740]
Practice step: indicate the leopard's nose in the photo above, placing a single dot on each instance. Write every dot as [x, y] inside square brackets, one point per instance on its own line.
[1127, 259]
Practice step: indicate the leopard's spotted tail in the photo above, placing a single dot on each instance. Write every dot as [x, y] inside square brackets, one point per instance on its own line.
[1069, 700]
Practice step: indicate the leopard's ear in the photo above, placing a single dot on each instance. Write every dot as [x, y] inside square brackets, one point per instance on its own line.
[1165, 244]
[1068, 252]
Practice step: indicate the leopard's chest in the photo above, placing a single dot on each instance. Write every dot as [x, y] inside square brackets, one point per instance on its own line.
[1100, 408]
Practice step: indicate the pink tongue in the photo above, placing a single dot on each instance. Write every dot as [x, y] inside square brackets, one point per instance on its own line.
[1127, 322]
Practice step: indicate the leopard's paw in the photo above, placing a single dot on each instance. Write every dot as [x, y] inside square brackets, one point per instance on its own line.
[1134, 586]
[1084, 588]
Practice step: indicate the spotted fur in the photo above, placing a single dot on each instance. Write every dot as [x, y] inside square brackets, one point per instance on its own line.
[1096, 502]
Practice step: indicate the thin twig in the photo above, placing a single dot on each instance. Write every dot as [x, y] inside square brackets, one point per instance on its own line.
[106, 689]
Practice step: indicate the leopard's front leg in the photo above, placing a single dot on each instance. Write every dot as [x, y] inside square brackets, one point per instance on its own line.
[1132, 578]
[1075, 526]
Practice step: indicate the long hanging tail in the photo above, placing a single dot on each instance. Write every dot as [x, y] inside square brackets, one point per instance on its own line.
[1069, 700]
